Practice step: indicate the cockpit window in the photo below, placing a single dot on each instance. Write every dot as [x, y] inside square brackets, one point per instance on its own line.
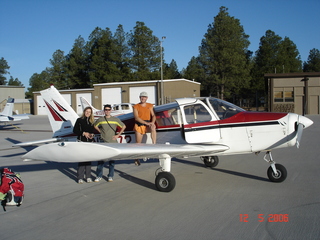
[224, 109]
[196, 113]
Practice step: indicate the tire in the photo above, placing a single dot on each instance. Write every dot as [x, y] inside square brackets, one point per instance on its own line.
[211, 161]
[282, 173]
[165, 182]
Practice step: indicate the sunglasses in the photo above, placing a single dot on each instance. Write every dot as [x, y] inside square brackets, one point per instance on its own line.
[107, 109]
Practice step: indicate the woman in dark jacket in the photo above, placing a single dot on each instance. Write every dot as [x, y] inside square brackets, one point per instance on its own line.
[84, 129]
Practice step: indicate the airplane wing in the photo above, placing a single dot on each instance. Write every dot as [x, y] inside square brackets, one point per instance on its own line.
[85, 152]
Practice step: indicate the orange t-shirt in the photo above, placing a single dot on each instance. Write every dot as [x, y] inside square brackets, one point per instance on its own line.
[144, 112]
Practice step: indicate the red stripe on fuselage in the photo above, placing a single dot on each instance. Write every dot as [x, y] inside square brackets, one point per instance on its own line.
[253, 117]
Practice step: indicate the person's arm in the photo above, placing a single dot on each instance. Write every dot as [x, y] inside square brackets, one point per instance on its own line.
[98, 129]
[153, 116]
[76, 128]
[120, 132]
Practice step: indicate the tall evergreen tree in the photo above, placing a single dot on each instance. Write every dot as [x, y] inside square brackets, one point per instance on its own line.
[14, 82]
[223, 55]
[122, 53]
[274, 56]
[171, 70]
[289, 56]
[39, 82]
[76, 65]
[57, 71]
[313, 63]
[102, 59]
[145, 52]
[194, 71]
[3, 71]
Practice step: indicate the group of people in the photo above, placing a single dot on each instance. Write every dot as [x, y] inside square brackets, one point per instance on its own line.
[111, 128]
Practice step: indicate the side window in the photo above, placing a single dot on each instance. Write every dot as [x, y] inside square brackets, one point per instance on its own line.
[196, 113]
[168, 117]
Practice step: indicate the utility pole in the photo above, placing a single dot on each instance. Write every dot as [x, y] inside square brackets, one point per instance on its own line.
[162, 97]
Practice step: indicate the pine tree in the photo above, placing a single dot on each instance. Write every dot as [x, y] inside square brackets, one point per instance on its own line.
[3, 71]
[223, 56]
[145, 52]
[122, 53]
[103, 57]
[77, 65]
[14, 82]
[57, 71]
[171, 70]
[313, 63]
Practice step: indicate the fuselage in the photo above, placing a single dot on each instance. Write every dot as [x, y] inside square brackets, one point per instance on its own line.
[214, 121]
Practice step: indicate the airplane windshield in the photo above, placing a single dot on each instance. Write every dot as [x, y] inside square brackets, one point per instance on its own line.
[224, 109]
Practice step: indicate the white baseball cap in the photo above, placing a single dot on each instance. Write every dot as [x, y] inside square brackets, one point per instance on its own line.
[143, 94]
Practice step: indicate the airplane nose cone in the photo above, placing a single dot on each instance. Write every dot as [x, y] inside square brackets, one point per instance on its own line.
[306, 122]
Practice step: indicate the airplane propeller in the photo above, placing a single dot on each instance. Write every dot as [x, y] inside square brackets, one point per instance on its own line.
[302, 123]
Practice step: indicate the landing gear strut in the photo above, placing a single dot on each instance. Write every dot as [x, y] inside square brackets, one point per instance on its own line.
[276, 172]
[165, 181]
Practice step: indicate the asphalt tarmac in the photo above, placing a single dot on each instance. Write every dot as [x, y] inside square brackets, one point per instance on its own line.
[233, 201]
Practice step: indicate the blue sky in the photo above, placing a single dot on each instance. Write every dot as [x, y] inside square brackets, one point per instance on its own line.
[31, 31]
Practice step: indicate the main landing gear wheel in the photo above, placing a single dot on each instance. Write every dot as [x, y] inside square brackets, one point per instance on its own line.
[165, 182]
[211, 161]
[281, 173]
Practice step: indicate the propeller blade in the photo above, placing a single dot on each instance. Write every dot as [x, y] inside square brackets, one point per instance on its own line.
[303, 122]
[299, 134]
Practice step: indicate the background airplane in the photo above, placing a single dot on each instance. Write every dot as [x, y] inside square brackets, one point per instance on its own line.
[204, 127]
[7, 114]
[118, 109]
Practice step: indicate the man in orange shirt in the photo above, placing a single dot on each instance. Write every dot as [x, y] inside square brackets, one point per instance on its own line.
[145, 120]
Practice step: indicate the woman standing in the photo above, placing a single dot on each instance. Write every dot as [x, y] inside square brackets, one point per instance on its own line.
[84, 129]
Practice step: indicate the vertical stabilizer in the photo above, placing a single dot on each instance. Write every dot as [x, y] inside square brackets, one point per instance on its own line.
[61, 116]
[8, 109]
[97, 113]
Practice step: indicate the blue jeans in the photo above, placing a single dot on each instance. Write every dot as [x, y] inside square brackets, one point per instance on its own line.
[100, 168]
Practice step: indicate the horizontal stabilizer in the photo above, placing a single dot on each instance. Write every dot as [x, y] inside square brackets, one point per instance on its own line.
[50, 140]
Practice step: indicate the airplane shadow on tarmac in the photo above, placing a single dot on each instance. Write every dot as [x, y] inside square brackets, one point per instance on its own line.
[239, 174]
[70, 170]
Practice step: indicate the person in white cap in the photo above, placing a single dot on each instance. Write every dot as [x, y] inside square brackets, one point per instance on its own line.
[144, 120]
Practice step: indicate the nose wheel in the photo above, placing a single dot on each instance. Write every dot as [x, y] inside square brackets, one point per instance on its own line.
[276, 172]
[279, 176]
[210, 161]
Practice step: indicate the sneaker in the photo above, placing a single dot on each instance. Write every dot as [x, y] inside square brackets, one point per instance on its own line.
[137, 162]
[110, 179]
[98, 179]
[80, 181]
[89, 180]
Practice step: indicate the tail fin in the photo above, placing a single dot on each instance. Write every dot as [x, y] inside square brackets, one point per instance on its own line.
[61, 116]
[97, 113]
[8, 109]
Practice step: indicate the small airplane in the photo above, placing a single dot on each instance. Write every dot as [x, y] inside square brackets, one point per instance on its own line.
[7, 116]
[204, 127]
[118, 109]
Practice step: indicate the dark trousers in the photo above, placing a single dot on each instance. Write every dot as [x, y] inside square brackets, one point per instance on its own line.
[84, 167]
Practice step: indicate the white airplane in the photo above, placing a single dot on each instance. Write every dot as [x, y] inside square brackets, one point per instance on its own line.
[205, 127]
[6, 114]
[118, 109]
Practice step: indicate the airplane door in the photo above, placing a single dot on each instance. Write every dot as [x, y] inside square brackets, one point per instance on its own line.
[199, 124]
